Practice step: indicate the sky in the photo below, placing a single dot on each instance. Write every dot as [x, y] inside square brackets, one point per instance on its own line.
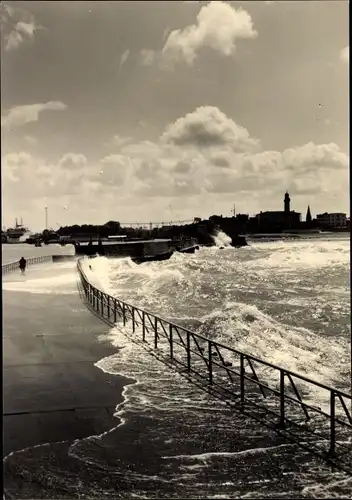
[166, 111]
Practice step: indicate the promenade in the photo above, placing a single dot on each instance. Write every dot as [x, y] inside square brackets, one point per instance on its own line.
[51, 389]
[53, 393]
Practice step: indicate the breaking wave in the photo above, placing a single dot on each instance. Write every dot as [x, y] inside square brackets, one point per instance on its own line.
[296, 316]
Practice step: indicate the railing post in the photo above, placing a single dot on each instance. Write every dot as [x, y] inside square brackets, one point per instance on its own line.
[242, 372]
[171, 342]
[210, 362]
[143, 325]
[109, 306]
[115, 311]
[188, 351]
[332, 423]
[101, 304]
[155, 332]
[282, 399]
[133, 321]
[124, 313]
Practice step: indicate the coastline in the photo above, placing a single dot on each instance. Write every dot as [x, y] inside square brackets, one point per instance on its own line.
[52, 389]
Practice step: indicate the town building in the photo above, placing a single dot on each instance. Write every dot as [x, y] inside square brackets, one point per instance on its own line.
[332, 220]
[279, 220]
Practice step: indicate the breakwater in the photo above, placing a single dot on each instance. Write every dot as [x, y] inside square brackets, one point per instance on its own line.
[232, 375]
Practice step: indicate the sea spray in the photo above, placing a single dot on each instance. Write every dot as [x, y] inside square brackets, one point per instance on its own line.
[221, 239]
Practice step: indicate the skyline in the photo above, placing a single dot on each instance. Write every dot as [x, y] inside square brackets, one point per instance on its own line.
[169, 117]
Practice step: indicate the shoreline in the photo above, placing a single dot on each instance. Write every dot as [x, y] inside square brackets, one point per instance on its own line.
[53, 391]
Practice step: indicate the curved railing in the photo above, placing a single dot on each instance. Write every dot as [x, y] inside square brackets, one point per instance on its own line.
[229, 372]
[14, 266]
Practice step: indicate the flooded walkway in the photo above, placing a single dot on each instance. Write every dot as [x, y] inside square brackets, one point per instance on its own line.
[52, 391]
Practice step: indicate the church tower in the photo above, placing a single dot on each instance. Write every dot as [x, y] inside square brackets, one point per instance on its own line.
[287, 203]
[308, 216]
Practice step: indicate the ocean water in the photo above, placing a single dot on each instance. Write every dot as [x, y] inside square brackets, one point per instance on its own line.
[287, 302]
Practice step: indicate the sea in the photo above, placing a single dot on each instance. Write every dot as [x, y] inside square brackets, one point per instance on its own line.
[284, 301]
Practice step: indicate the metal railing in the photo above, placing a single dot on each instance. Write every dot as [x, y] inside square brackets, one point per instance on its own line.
[230, 371]
[14, 266]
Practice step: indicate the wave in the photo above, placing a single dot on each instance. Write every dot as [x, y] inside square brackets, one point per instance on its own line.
[221, 239]
[293, 318]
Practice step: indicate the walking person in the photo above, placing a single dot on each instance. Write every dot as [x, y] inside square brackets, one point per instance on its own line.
[23, 264]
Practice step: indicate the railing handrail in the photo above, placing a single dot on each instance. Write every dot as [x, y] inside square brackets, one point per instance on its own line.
[206, 339]
[287, 392]
[30, 260]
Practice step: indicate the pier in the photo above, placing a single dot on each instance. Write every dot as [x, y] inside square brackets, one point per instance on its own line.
[53, 391]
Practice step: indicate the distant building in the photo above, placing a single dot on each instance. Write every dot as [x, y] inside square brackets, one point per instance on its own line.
[308, 216]
[278, 220]
[332, 220]
[197, 219]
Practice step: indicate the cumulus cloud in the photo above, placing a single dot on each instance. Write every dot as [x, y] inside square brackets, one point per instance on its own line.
[23, 172]
[207, 126]
[204, 156]
[345, 54]
[219, 25]
[17, 26]
[73, 161]
[21, 115]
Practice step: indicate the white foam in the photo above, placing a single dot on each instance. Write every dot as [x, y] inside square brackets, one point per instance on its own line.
[188, 286]
[53, 279]
[222, 239]
[204, 457]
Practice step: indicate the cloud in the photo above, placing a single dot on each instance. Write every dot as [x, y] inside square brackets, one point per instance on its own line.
[17, 26]
[345, 54]
[219, 25]
[30, 140]
[117, 141]
[21, 115]
[207, 126]
[201, 159]
[73, 161]
[123, 59]
[147, 57]
[26, 176]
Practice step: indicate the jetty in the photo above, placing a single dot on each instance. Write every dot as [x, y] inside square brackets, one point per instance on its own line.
[53, 392]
